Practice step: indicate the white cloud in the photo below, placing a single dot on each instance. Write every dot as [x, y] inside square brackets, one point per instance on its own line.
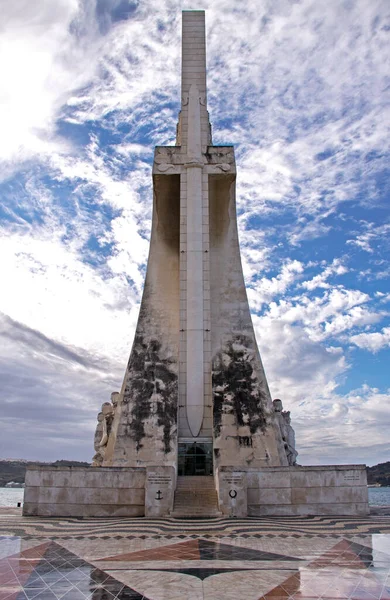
[336, 311]
[373, 342]
[306, 373]
[309, 123]
[54, 292]
[42, 60]
[297, 367]
[373, 233]
[383, 298]
[264, 289]
[329, 426]
[254, 260]
[310, 137]
[51, 393]
[320, 280]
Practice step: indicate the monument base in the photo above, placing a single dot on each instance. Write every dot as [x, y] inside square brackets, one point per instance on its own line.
[286, 491]
[149, 491]
[98, 492]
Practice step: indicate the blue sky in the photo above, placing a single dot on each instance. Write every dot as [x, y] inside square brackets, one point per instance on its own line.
[301, 89]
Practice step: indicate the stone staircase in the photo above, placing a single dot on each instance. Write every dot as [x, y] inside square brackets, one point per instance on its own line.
[196, 498]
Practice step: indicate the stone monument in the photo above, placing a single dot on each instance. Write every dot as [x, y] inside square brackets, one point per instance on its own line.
[194, 375]
[193, 430]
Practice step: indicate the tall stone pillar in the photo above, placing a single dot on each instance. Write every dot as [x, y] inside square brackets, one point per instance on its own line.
[194, 373]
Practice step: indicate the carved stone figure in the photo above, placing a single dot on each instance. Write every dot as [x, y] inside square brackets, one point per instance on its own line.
[97, 459]
[278, 405]
[103, 429]
[288, 433]
[115, 399]
[108, 413]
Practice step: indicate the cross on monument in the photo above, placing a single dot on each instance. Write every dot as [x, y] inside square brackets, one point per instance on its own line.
[194, 373]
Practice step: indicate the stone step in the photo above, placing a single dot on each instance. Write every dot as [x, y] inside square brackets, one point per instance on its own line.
[195, 510]
[199, 490]
[197, 505]
[192, 515]
[199, 483]
[197, 494]
[189, 497]
[192, 490]
[195, 497]
[194, 486]
[195, 478]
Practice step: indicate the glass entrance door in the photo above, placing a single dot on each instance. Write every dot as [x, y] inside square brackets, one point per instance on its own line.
[195, 458]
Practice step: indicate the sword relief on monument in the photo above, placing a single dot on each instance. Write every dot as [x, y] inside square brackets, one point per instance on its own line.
[194, 371]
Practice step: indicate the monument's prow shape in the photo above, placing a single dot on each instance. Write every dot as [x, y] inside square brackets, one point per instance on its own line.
[195, 394]
[194, 400]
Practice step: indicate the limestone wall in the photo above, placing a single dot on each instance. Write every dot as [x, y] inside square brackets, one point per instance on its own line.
[144, 429]
[285, 491]
[84, 492]
[245, 429]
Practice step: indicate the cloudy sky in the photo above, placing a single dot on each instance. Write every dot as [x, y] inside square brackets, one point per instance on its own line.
[88, 88]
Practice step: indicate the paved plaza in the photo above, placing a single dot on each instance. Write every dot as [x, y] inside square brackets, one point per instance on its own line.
[145, 559]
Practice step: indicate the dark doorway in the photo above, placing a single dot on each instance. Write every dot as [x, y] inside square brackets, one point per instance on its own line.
[195, 459]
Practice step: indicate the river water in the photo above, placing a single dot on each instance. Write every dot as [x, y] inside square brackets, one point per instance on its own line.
[11, 496]
[376, 496]
[379, 496]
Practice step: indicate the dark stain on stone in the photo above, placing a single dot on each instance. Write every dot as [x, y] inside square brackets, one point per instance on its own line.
[149, 374]
[235, 388]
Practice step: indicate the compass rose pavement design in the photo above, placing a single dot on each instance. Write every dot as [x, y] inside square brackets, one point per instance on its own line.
[193, 561]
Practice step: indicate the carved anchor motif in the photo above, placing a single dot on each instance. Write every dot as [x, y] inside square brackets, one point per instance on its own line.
[232, 493]
[158, 495]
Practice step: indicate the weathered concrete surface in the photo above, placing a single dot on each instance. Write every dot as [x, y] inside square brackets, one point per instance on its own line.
[159, 491]
[84, 492]
[322, 490]
[232, 492]
[245, 427]
[144, 430]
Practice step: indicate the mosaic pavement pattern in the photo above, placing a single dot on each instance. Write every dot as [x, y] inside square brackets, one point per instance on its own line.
[246, 559]
[130, 528]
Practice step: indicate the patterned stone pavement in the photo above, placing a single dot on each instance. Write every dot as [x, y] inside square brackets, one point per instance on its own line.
[144, 559]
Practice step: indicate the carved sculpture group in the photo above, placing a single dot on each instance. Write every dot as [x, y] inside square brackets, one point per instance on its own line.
[106, 417]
